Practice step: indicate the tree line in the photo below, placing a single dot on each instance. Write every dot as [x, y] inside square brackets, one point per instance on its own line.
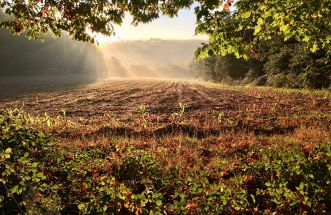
[274, 63]
[22, 57]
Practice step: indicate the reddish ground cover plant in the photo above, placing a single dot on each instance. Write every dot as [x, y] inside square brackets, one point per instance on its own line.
[267, 152]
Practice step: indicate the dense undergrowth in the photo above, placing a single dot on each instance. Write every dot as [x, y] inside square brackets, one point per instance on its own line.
[39, 175]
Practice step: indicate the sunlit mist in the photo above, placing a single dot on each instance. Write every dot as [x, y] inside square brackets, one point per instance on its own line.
[150, 58]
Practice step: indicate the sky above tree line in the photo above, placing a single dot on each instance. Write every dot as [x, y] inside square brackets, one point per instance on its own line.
[177, 28]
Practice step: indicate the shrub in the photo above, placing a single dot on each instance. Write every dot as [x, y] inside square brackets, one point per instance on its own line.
[295, 181]
[21, 148]
[39, 176]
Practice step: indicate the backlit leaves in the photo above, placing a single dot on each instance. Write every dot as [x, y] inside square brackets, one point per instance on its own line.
[79, 17]
[253, 21]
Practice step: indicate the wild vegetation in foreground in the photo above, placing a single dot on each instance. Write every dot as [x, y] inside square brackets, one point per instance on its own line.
[273, 157]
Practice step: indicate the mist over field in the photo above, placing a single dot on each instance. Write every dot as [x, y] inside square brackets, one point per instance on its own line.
[150, 59]
[32, 66]
[35, 66]
[29, 66]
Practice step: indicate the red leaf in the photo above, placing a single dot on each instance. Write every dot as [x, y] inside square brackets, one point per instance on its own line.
[95, 175]
[191, 206]
[38, 195]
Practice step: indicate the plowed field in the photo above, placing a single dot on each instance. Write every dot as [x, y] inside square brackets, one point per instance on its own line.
[116, 107]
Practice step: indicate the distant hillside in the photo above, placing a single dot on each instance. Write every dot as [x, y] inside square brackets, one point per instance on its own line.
[150, 58]
[153, 52]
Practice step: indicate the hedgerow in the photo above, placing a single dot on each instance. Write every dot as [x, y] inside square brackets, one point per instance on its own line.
[39, 175]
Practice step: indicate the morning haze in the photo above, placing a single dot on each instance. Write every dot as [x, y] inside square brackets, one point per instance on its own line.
[32, 66]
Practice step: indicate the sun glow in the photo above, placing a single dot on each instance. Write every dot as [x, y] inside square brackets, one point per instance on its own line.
[102, 39]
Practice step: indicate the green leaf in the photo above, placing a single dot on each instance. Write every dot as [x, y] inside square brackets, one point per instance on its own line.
[81, 207]
[15, 189]
[8, 151]
[158, 203]
[105, 208]
[314, 48]
[268, 184]
[246, 14]
[253, 198]
[257, 30]
[40, 175]
[328, 39]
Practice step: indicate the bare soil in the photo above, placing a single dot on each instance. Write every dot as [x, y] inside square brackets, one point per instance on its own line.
[113, 108]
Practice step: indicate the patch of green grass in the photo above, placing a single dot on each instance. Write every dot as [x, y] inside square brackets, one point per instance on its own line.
[260, 90]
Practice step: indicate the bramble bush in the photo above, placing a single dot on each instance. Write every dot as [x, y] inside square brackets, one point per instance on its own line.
[21, 176]
[39, 176]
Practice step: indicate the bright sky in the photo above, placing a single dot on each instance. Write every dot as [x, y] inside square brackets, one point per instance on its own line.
[181, 27]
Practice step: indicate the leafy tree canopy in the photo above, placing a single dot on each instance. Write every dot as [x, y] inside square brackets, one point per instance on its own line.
[253, 21]
[232, 31]
[77, 17]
